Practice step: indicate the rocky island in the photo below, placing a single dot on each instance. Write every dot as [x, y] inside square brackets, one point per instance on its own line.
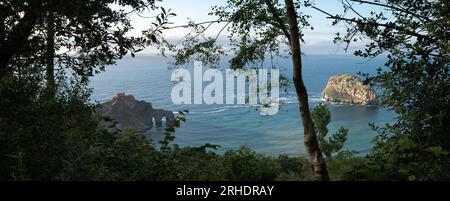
[349, 89]
[128, 113]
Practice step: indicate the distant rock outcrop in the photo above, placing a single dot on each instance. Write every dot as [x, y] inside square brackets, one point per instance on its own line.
[128, 113]
[349, 89]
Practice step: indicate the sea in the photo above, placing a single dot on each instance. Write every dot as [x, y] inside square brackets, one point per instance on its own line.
[148, 78]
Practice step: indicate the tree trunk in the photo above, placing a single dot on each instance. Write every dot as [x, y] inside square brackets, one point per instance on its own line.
[50, 54]
[311, 144]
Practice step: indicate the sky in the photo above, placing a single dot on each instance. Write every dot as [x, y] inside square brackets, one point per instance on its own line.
[318, 41]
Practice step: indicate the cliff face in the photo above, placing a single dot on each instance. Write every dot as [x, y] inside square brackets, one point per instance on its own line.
[129, 113]
[349, 89]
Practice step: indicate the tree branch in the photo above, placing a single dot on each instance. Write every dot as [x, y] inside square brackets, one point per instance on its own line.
[393, 8]
[389, 26]
[196, 24]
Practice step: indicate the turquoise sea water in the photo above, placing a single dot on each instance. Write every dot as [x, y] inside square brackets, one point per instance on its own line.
[148, 78]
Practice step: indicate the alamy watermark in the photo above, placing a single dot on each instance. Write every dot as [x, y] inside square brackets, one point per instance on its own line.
[251, 87]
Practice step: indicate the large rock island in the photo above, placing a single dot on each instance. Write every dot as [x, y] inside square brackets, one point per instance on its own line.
[349, 89]
[128, 113]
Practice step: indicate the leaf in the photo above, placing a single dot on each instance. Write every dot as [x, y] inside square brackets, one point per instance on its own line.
[77, 39]
[170, 137]
[437, 151]
[170, 129]
[158, 19]
[407, 143]
[153, 38]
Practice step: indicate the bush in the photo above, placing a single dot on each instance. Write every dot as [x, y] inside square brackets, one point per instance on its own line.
[46, 137]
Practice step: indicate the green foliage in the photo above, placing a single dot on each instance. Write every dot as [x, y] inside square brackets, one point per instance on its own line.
[102, 156]
[416, 85]
[86, 36]
[341, 167]
[46, 136]
[294, 169]
[255, 30]
[32, 126]
[321, 116]
[169, 130]
[58, 139]
[54, 136]
[246, 165]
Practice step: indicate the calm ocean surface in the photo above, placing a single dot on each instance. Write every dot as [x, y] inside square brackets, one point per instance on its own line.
[148, 78]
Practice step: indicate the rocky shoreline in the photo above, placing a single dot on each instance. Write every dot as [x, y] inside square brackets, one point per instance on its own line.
[126, 112]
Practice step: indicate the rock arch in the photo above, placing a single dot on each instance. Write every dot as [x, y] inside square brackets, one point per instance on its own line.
[159, 114]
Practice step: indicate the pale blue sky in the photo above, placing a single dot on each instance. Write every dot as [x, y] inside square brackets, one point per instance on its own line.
[317, 41]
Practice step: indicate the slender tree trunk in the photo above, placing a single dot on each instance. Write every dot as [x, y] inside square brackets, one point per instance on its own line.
[311, 144]
[50, 54]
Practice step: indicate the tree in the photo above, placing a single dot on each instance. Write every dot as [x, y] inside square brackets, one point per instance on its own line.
[46, 118]
[258, 27]
[81, 36]
[414, 36]
[334, 144]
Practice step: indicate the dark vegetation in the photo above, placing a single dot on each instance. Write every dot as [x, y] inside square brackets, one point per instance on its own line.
[59, 140]
[48, 130]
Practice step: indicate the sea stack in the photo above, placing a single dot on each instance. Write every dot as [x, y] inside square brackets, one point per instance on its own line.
[128, 113]
[349, 89]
